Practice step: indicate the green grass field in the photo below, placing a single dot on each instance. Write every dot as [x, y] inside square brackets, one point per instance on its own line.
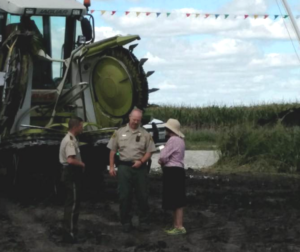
[234, 131]
[218, 116]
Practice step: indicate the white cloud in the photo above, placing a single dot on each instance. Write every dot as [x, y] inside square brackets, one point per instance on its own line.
[167, 86]
[177, 24]
[155, 60]
[105, 32]
[275, 60]
[236, 72]
[202, 61]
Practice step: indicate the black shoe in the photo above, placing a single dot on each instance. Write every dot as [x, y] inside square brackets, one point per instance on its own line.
[69, 238]
[126, 228]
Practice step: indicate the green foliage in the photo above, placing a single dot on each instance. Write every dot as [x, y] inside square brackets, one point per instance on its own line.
[277, 147]
[201, 139]
[218, 116]
[234, 131]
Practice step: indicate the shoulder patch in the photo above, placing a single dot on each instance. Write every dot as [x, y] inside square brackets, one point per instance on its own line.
[71, 138]
[71, 144]
[114, 135]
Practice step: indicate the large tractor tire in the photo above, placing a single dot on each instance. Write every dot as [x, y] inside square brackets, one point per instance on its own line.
[119, 83]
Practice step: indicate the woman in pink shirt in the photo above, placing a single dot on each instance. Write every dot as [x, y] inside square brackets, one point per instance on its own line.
[171, 160]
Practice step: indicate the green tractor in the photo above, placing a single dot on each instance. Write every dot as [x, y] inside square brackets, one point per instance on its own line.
[52, 69]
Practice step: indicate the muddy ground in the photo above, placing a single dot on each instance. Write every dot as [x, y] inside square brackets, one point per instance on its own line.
[224, 213]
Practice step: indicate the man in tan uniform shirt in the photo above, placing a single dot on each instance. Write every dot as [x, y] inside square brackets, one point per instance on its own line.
[135, 147]
[73, 167]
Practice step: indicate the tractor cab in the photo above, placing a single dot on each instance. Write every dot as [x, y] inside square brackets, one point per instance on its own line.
[51, 68]
[57, 27]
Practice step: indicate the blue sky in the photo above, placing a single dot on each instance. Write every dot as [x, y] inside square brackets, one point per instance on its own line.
[201, 61]
[207, 6]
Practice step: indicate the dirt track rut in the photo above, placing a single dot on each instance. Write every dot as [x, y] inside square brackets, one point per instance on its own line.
[224, 213]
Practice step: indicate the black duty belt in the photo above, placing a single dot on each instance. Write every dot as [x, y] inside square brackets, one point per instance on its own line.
[71, 166]
[128, 163]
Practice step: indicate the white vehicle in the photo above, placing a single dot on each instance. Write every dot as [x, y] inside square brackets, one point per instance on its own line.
[158, 131]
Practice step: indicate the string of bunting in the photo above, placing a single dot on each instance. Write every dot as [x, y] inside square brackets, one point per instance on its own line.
[196, 15]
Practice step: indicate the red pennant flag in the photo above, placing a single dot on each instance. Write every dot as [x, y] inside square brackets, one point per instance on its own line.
[246, 16]
[113, 13]
[207, 15]
[148, 13]
[188, 14]
[127, 12]
[265, 16]
[92, 11]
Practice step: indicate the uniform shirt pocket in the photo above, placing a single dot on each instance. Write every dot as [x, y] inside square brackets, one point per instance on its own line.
[141, 144]
[123, 141]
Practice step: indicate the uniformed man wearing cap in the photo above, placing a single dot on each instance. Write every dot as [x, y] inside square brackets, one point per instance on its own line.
[73, 167]
[135, 147]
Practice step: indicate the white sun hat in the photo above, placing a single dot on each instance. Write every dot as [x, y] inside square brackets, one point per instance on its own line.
[174, 126]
